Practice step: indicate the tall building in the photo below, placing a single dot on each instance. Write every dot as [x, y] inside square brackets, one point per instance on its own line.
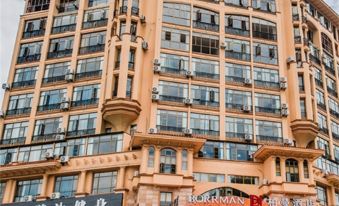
[165, 102]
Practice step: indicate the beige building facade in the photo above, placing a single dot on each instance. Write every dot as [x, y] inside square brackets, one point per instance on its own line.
[148, 102]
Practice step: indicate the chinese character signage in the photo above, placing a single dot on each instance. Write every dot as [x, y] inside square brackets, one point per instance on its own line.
[91, 200]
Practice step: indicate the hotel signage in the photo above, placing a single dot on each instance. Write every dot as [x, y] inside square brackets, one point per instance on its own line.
[92, 200]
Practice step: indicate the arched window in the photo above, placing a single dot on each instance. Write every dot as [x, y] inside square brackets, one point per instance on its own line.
[306, 171]
[150, 162]
[225, 191]
[277, 167]
[184, 159]
[292, 170]
[168, 161]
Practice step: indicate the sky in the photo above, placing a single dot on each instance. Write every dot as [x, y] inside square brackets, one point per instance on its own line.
[10, 11]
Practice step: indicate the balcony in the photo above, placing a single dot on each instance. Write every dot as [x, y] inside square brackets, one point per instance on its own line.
[135, 11]
[236, 135]
[59, 54]
[175, 71]
[323, 130]
[167, 168]
[334, 113]
[28, 83]
[28, 58]
[47, 80]
[296, 17]
[319, 83]
[92, 49]
[205, 75]
[328, 165]
[237, 55]
[204, 132]
[264, 35]
[297, 39]
[315, 58]
[49, 107]
[237, 31]
[20, 111]
[330, 69]
[94, 24]
[304, 131]
[68, 7]
[205, 26]
[85, 75]
[332, 92]
[236, 79]
[203, 102]
[269, 139]
[34, 33]
[234, 106]
[237, 3]
[37, 7]
[170, 128]
[335, 136]
[123, 10]
[80, 132]
[265, 84]
[44, 138]
[321, 106]
[86, 102]
[131, 66]
[267, 110]
[64, 28]
[13, 141]
[169, 98]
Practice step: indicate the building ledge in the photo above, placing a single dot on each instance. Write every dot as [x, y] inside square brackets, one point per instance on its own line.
[30, 168]
[167, 180]
[333, 179]
[140, 139]
[293, 188]
[266, 151]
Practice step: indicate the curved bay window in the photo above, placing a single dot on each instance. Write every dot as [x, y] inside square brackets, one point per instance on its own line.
[151, 152]
[225, 191]
[292, 170]
[168, 161]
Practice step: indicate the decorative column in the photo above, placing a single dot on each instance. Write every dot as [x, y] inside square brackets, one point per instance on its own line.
[81, 185]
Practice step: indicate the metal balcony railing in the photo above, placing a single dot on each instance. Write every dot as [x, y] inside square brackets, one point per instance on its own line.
[28, 58]
[319, 83]
[330, 69]
[206, 75]
[237, 135]
[169, 128]
[23, 83]
[236, 106]
[236, 31]
[268, 110]
[296, 17]
[95, 23]
[63, 28]
[135, 11]
[37, 7]
[235, 79]
[79, 103]
[334, 113]
[34, 33]
[265, 35]
[205, 102]
[172, 70]
[167, 168]
[237, 55]
[44, 137]
[266, 84]
[53, 79]
[321, 105]
[92, 49]
[264, 138]
[328, 165]
[332, 92]
[170, 98]
[123, 10]
[82, 75]
[49, 107]
[205, 26]
[297, 39]
[315, 58]
[323, 130]
[17, 140]
[81, 132]
[18, 111]
[335, 136]
[60, 54]
[205, 132]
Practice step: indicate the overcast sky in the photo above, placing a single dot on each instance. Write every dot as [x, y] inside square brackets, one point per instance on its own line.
[10, 11]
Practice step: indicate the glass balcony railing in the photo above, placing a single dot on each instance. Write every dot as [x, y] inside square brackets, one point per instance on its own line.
[205, 26]
[171, 70]
[264, 35]
[49, 107]
[328, 165]
[59, 54]
[203, 102]
[268, 110]
[81, 132]
[264, 138]
[205, 132]
[94, 24]
[28, 58]
[266, 84]
[17, 140]
[20, 84]
[47, 80]
[86, 102]
[206, 75]
[64, 28]
[236, 106]
[236, 135]
[19, 111]
[170, 128]
[34, 33]
[235, 79]
[237, 31]
[170, 98]
[88, 74]
[238, 55]
[92, 49]
[44, 137]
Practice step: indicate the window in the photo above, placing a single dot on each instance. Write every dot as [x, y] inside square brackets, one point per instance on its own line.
[95, 18]
[318, 77]
[66, 185]
[61, 47]
[240, 152]
[171, 91]
[205, 68]
[184, 159]
[104, 182]
[334, 107]
[33, 153]
[328, 62]
[20, 104]
[29, 52]
[56, 72]
[203, 124]
[92, 3]
[68, 6]
[268, 131]
[173, 39]
[207, 96]
[133, 31]
[76, 147]
[165, 198]
[129, 87]
[208, 177]
[277, 167]
[335, 130]
[320, 99]
[324, 145]
[248, 180]
[322, 123]
[89, 67]
[264, 29]
[83, 124]
[65, 23]
[237, 49]
[205, 19]
[51, 100]
[175, 13]
[104, 144]
[292, 170]
[122, 28]
[171, 120]
[321, 195]
[135, 7]
[238, 127]
[15, 133]
[205, 44]
[267, 103]
[168, 161]
[303, 111]
[326, 43]
[237, 72]
[2, 190]
[151, 152]
[237, 25]
[8, 155]
[306, 170]
[236, 99]
[264, 5]
[265, 53]
[85, 95]
[27, 187]
[25, 77]
[174, 64]
[331, 86]
[301, 82]
[92, 42]
[267, 78]
[37, 5]
[242, 3]
[47, 127]
[34, 28]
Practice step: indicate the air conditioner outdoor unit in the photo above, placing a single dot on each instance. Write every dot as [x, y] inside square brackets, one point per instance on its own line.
[189, 74]
[153, 130]
[29, 198]
[188, 101]
[144, 45]
[246, 108]
[64, 159]
[155, 90]
[290, 60]
[143, 19]
[250, 157]
[2, 114]
[222, 45]
[283, 85]
[6, 86]
[64, 106]
[49, 155]
[248, 81]
[69, 77]
[284, 106]
[187, 131]
[60, 130]
[59, 137]
[284, 112]
[156, 62]
[56, 195]
[248, 137]
[288, 142]
[283, 79]
[156, 68]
